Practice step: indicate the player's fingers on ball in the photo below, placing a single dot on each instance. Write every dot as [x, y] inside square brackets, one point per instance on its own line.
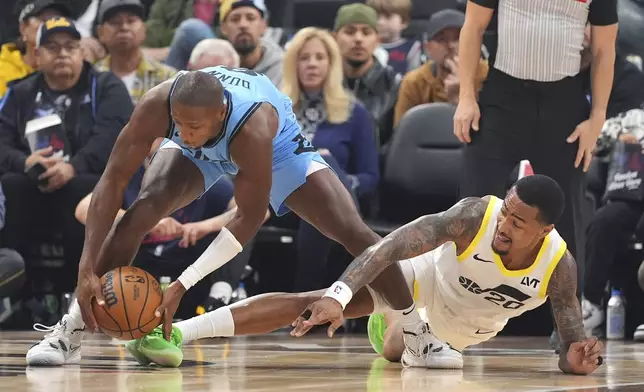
[159, 311]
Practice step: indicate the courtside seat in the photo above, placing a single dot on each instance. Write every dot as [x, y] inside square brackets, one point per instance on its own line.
[423, 167]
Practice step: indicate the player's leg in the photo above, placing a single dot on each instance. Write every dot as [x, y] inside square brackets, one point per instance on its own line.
[170, 182]
[324, 202]
[256, 315]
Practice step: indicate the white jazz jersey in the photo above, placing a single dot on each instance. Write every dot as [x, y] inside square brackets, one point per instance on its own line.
[469, 298]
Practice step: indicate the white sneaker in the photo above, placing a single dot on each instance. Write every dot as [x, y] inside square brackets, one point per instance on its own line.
[423, 349]
[593, 316]
[62, 345]
[638, 336]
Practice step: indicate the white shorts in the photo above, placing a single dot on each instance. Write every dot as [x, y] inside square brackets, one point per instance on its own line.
[420, 274]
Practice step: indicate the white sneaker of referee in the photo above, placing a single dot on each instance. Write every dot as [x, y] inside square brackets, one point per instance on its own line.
[62, 344]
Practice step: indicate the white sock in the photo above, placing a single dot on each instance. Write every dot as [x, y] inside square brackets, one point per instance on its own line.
[218, 323]
[408, 317]
[222, 290]
[75, 315]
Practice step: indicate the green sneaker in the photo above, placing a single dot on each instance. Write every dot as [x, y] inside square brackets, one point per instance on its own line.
[376, 328]
[158, 350]
[133, 347]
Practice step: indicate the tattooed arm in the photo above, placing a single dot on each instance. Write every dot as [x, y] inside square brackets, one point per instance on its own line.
[577, 355]
[458, 224]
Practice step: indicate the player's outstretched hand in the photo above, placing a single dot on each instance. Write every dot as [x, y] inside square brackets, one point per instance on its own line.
[89, 287]
[584, 357]
[325, 310]
[171, 299]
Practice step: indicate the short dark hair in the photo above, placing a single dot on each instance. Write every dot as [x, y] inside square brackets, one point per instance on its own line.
[543, 193]
[196, 88]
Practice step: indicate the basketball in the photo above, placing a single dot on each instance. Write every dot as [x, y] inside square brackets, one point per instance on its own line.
[131, 298]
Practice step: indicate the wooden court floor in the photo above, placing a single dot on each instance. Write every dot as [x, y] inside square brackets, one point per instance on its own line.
[279, 362]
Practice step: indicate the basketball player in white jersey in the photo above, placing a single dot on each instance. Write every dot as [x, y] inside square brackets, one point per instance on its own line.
[471, 269]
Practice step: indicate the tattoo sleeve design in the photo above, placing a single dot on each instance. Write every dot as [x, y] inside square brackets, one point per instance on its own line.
[562, 291]
[459, 224]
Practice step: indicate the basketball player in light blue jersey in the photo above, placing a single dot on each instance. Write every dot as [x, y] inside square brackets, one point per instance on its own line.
[216, 121]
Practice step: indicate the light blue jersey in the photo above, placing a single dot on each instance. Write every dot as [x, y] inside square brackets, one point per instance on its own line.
[245, 91]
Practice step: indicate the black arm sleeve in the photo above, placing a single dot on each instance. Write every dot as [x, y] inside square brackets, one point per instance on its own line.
[488, 3]
[603, 12]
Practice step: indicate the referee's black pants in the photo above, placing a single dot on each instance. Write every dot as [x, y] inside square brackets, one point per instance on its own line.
[531, 120]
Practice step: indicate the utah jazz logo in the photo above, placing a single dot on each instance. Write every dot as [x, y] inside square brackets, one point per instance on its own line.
[503, 295]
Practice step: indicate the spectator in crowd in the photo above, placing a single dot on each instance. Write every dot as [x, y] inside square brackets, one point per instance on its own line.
[337, 125]
[628, 84]
[122, 30]
[167, 15]
[375, 85]
[179, 239]
[403, 54]
[614, 224]
[18, 59]
[244, 24]
[438, 79]
[12, 265]
[91, 108]
[211, 52]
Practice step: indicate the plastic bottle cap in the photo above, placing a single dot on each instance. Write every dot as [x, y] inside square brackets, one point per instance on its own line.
[616, 292]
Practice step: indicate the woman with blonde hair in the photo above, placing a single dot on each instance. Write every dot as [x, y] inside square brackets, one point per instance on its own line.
[336, 124]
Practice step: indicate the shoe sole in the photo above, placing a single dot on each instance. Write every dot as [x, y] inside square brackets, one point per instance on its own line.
[163, 357]
[139, 357]
[45, 360]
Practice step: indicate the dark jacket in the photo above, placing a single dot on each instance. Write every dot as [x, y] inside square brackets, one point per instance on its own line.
[628, 87]
[377, 89]
[99, 121]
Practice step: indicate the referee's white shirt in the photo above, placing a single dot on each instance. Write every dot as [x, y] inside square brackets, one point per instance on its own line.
[542, 40]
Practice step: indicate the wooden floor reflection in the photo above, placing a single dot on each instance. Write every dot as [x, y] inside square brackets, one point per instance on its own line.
[279, 363]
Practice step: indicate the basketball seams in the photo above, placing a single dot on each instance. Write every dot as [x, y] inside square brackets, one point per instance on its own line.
[145, 302]
[113, 319]
[127, 319]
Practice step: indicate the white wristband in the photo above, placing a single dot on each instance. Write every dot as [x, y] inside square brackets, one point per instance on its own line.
[340, 292]
[222, 249]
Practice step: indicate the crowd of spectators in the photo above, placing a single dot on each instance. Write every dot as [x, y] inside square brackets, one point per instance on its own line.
[81, 66]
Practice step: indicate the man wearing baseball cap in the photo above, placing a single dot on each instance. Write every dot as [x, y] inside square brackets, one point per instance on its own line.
[18, 59]
[243, 23]
[74, 115]
[438, 79]
[122, 30]
[375, 85]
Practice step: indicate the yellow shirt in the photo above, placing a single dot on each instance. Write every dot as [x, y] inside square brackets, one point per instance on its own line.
[12, 66]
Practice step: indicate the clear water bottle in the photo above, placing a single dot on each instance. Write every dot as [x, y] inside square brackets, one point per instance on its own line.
[615, 316]
[164, 282]
[239, 294]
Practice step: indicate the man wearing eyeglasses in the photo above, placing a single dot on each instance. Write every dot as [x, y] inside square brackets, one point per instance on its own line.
[57, 129]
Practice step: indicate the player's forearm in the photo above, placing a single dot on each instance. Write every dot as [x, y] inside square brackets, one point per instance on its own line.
[469, 54]
[246, 222]
[408, 241]
[106, 200]
[602, 73]
[230, 241]
[571, 329]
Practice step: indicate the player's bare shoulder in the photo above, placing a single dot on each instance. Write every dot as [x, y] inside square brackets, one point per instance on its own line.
[563, 282]
[463, 221]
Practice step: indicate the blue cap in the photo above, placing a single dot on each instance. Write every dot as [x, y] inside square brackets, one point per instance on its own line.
[53, 26]
[616, 292]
